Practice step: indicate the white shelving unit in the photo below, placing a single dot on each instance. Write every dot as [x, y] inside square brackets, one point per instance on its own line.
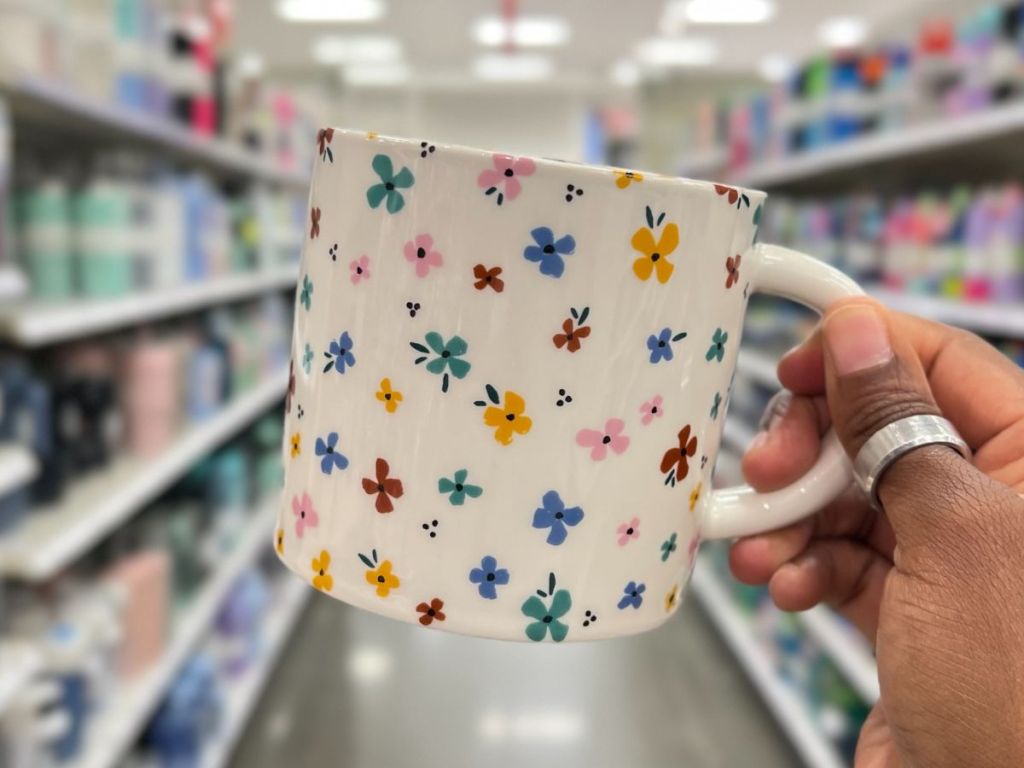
[758, 368]
[52, 537]
[988, 318]
[114, 730]
[18, 467]
[59, 105]
[850, 652]
[790, 712]
[245, 692]
[898, 146]
[35, 323]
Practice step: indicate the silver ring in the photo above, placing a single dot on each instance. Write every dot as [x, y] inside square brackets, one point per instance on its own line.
[896, 439]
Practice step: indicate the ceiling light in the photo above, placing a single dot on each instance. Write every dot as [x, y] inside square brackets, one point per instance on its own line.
[362, 48]
[517, 67]
[524, 31]
[626, 73]
[729, 11]
[330, 10]
[377, 75]
[775, 68]
[677, 52]
[843, 32]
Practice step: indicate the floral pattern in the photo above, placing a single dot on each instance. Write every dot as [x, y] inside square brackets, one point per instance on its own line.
[305, 514]
[449, 357]
[307, 359]
[488, 577]
[431, 611]
[279, 541]
[676, 461]
[629, 531]
[379, 575]
[384, 488]
[322, 578]
[672, 598]
[655, 253]
[548, 252]
[624, 178]
[330, 457]
[668, 546]
[715, 405]
[571, 336]
[390, 397]
[314, 223]
[339, 354]
[546, 615]
[717, 349]
[387, 191]
[359, 269]
[502, 181]
[323, 142]
[506, 419]
[732, 268]
[488, 278]
[632, 596]
[651, 410]
[296, 445]
[660, 344]
[695, 496]
[600, 442]
[556, 517]
[306, 294]
[458, 489]
[420, 253]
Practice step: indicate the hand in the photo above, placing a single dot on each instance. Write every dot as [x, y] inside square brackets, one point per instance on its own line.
[936, 581]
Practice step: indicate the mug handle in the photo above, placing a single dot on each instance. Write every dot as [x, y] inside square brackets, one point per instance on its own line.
[741, 511]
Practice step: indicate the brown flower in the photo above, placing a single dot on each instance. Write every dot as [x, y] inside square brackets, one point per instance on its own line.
[488, 277]
[431, 612]
[291, 387]
[385, 487]
[314, 226]
[323, 138]
[732, 193]
[676, 461]
[571, 336]
[732, 266]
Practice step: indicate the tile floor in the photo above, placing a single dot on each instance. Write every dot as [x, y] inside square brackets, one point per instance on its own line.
[358, 691]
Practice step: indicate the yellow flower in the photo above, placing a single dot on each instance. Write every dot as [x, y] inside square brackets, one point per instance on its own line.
[279, 541]
[322, 580]
[372, 135]
[382, 578]
[390, 397]
[655, 254]
[624, 178]
[695, 495]
[671, 598]
[296, 444]
[508, 420]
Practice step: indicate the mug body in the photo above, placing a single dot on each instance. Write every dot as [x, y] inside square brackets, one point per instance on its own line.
[509, 379]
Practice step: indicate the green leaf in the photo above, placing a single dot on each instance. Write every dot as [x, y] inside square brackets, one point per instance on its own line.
[661, 218]
[492, 394]
[444, 383]
[551, 583]
[584, 315]
[366, 561]
[536, 631]
[575, 315]
[436, 342]
[419, 347]
[679, 336]
[650, 216]
[534, 608]
[419, 360]
[382, 167]
[480, 403]
[561, 603]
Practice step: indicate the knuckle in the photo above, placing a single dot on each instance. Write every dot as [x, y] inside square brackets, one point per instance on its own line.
[877, 404]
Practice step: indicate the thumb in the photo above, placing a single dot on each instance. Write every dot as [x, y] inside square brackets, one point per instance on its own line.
[873, 377]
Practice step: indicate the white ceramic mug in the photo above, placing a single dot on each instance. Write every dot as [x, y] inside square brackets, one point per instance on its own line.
[510, 377]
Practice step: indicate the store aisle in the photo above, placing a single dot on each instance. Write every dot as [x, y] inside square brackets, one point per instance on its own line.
[358, 691]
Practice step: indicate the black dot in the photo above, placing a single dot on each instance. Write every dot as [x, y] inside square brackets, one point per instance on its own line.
[661, 343]
[490, 577]
[561, 392]
[421, 253]
[606, 439]
[458, 486]
[559, 515]
[568, 398]
[579, 192]
[547, 619]
[629, 531]
[508, 173]
[654, 409]
[655, 256]
[433, 534]
[559, 403]
[510, 416]
[380, 579]
[302, 514]
[446, 354]
[549, 248]
[633, 593]
[387, 396]
[380, 488]
[430, 612]
[586, 623]
[433, 522]
[568, 198]
[389, 186]
[570, 187]
[425, 527]
[341, 352]
[330, 449]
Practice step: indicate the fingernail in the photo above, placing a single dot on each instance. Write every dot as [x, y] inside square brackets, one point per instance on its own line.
[857, 339]
[759, 441]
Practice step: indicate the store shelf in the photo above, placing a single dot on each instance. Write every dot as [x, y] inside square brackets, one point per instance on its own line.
[988, 318]
[18, 467]
[758, 367]
[51, 104]
[54, 536]
[969, 146]
[116, 728]
[737, 435]
[33, 324]
[704, 165]
[245, 692]
[850, 652]
[790, 712]
[19, 664]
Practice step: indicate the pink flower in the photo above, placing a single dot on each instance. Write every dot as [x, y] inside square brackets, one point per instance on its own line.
[420, 253]
[305, 514]
[599, 442]
[360, 269]
[692, 547]
[629, 531]
[502, 179]
[650, 410]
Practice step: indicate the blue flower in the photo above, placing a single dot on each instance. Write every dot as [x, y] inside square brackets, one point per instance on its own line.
[549, 252]
[715, 405]
[717, 349]
[330, 458]
[340, 354]
[632, 595]
[554, 515]
[661, 345]
[306, 294]
[307, 358]
[488, 576]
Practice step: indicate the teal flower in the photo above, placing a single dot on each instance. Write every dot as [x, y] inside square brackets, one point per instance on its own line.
[715, 405]
[458, 489]
[306, 295]
[307, 358]
[668, 546]
[547, 616]
[390, 183]
[449, 356]
[717, 349]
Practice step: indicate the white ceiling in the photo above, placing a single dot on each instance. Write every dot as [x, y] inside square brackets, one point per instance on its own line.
[435, 34]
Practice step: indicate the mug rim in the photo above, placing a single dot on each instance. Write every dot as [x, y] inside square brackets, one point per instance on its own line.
[592, 170]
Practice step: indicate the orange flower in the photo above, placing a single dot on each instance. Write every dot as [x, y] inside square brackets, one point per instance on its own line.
[571, 336]
[695, 493]
[384, 487]
[488, 277]
[296, 444]
[624, 178]
[732, 266]
[671, 598]
[390, 397]
[508, 420]
[432, 612]
[676, 461]
[279, 541]
[655, 253]
[322, 580]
